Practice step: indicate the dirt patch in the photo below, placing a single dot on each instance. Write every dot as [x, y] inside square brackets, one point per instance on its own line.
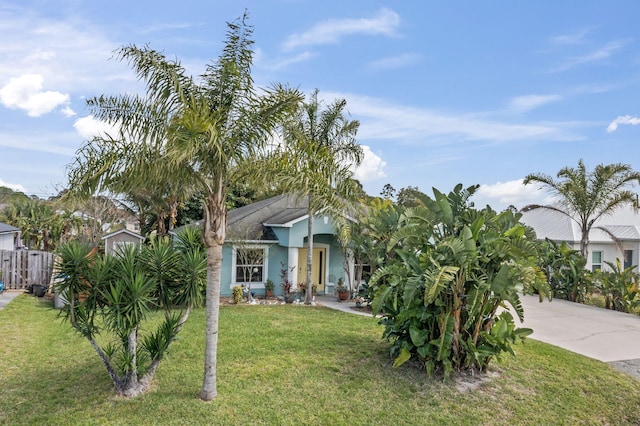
[470, 380]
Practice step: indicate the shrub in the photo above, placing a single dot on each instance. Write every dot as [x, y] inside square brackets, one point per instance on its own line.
[237, 294]
[619, 287]
[453, 268]
[565, 271]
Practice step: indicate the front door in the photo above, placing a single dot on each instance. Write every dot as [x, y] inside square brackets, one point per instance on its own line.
[318, 266]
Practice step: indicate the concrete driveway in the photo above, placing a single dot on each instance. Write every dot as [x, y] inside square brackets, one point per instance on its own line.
[608, 336]
[595, 332]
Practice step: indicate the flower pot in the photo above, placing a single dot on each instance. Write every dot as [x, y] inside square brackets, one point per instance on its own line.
[39, 290]
[343, 294]
[269, 293]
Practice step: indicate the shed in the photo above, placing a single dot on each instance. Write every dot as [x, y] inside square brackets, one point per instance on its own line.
[9, 237]
[114, 241]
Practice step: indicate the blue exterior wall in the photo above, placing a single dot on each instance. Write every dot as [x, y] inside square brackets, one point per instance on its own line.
[225, 279]
[294, 236]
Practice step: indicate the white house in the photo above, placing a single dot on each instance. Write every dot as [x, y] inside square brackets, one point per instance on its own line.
[9, 237]
[623, 224]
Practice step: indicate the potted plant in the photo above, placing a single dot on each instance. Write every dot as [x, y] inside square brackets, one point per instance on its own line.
[268, 287]
[341, 290]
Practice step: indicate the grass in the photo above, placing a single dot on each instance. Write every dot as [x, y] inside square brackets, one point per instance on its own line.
[294, 365]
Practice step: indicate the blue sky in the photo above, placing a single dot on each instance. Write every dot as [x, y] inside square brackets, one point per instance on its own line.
[446, 92]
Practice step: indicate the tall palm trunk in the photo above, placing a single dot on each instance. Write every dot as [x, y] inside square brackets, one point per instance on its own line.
[214, 231]
[308, 296]
[584, 241]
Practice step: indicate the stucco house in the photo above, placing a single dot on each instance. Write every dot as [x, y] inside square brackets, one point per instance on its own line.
[121, 238]
[9, 237]
[270, 236]
[623, 224]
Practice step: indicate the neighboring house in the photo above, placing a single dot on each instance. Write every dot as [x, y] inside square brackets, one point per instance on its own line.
[270, 236]
[9, 237]
[624, 225]
[115, 241]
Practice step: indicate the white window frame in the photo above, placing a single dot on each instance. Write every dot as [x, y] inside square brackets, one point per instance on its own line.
[265, 264]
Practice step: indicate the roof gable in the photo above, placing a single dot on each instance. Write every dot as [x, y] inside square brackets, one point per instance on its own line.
[6, 229]
[123, 231]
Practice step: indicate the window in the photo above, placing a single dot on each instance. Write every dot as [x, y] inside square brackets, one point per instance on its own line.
[596, 261]
[628, 259]
[249, 265]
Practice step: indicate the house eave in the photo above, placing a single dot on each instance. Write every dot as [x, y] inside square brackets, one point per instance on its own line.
[252, 241]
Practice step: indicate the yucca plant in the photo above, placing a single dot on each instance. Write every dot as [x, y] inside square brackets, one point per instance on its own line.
[124, 290]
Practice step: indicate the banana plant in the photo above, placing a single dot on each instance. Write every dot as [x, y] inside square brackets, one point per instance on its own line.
[619, 287]
[442, 297]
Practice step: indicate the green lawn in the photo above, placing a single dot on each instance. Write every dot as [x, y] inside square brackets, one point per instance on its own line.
[294, 365]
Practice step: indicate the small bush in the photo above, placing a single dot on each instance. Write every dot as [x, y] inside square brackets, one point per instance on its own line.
[237, 294]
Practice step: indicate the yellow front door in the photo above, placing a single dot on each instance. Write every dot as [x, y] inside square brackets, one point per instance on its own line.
[318, 266]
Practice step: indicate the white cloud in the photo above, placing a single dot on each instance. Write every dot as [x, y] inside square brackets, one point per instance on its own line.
[58, 143]
[371, 168]
[394, 62]
[623, 119]
[72, 55]
[14, 186]
[281, 63]
[331, 31]
[604, 52]
[575, 38]
[68, 112]
[88, 127]
[503, 194]
[25, 92]
[383, 120]
[529, 102]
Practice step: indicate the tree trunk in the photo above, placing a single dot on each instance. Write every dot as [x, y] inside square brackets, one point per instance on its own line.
[173, 214]
[214, 229]
[308, 296]
[584, 241]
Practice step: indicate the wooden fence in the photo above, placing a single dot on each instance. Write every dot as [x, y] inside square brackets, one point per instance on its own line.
[22, 268]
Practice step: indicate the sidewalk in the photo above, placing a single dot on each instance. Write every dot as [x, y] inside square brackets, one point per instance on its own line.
[8, 295]
[333, 303]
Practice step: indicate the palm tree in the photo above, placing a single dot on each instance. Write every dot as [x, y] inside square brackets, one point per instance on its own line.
[587, 196]
[319, 153]
[207, 130]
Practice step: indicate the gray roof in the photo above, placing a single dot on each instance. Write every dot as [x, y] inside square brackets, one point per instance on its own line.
[552, 225]
[622, 232]
[123, 231]
[254, 221]
[247, 222]
[623, 225]
[6, 229]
